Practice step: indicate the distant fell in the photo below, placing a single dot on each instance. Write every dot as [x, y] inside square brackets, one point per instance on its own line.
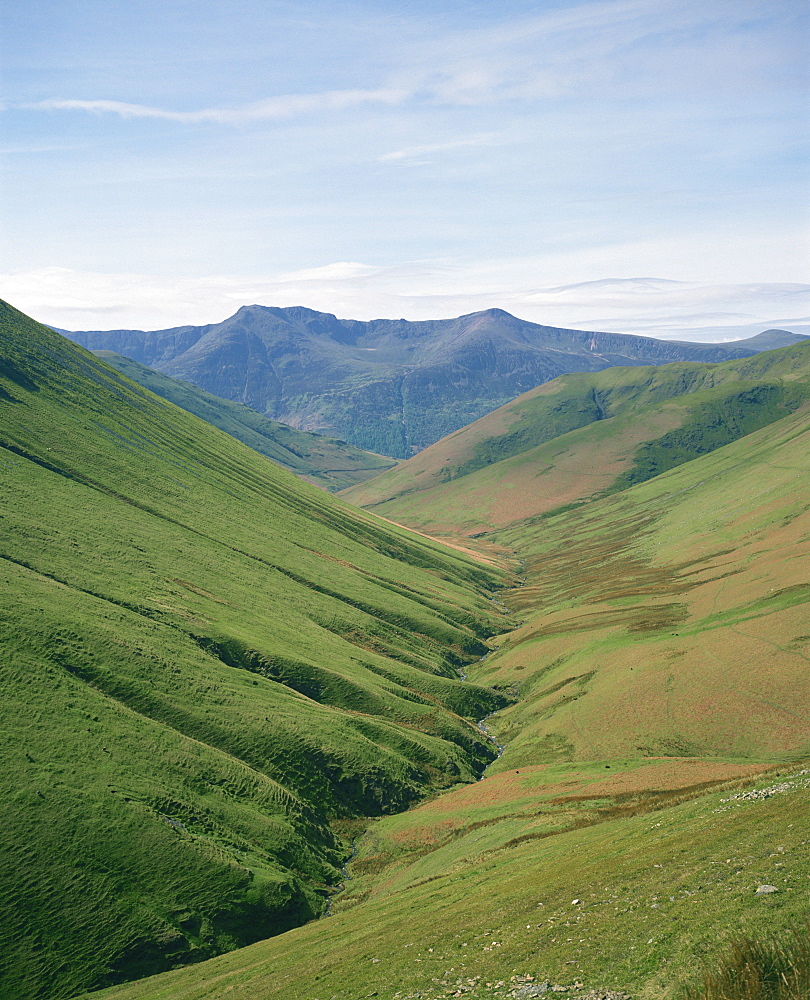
[392, 387]
[583, 434]
[325, 461]
[769, 340]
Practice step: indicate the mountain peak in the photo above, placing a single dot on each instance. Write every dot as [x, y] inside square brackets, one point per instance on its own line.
[494, 313]
[387, 386]
[770, 340]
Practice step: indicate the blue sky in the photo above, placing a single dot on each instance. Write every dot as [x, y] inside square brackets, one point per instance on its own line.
[166, 162]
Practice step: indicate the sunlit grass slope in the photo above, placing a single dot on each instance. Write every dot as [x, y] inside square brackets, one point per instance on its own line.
[584, 434]
[670, 619]
[205, 662]
[661, 673]
[326, 461]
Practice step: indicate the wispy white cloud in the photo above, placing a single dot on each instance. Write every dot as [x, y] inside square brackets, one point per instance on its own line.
[619, 49]
[283, 106]
[567, 141]
[623, 47]
[421, 154]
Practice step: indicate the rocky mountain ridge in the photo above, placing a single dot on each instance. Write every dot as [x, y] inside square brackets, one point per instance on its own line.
[388, 386]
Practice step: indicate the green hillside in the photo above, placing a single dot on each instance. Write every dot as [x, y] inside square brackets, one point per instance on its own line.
[221, 685]
[209, 668]
[326, 461]
[584, 434]
[670, 619]
[650, 805]
[631, 904]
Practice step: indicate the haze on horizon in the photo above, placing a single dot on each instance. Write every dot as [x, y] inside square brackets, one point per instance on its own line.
[631, 165]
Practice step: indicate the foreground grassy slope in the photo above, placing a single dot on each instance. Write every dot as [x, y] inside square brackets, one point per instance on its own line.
[632, 902]
[581, 434]
[654, 773]
[323, 460]
[206, 663]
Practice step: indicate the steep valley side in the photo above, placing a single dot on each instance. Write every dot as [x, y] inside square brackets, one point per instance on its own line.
[209, 667]
[651, 800]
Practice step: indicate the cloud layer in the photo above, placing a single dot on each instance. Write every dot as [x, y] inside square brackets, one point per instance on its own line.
[644, 306]
[269, 109]
[535, 144]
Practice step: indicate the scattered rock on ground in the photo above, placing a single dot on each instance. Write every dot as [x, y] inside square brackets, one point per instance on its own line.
[577, 991]
[602, 995]
[520, 987]
[799, 780]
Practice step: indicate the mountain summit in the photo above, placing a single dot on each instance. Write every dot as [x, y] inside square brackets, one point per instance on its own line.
[389, 386]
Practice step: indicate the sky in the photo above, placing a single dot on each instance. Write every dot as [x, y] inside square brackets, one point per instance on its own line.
[631, 165]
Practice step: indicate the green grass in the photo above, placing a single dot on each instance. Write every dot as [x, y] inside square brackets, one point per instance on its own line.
[660, 669]
[761, 969]
[216, 675]
[206, 661]
[632, 903]
[754, 395]
[657, 618]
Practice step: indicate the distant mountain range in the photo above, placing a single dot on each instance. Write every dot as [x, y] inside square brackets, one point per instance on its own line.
[388, 386]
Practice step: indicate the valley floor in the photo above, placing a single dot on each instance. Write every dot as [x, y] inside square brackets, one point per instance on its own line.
[625, 897]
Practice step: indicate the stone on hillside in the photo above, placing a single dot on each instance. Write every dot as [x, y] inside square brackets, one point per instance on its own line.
[763, 890]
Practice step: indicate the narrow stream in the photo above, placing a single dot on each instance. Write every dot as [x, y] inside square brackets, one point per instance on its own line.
[480, 725]
[344, 878]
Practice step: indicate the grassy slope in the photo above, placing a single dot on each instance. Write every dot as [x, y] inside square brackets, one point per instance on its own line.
[326, 461]
[656, 892]
[205, 661]
[662, 665]
[660, 617]
[584, 433]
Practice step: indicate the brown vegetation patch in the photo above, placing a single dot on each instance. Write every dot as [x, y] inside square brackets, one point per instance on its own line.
[666, 774]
